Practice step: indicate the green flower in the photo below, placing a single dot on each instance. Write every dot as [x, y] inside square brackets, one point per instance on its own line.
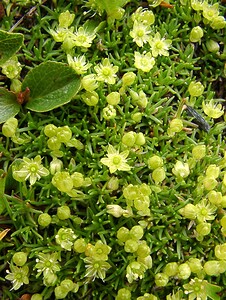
[82, 38]
[96, 268]
[115, 160]
[106, 71]
[205, 211]
[134, 271]
[159, 46]
[181, 170]
[140, 33]
[98, 252]
[11, 68]
[31, 169]
[78, 64]
[196, 289]
[47, 263]
[144, 61]
[212, 109]
[18, 276]
[143, 16]
[65, 237]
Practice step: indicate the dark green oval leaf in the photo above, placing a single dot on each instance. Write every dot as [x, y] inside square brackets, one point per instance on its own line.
[10, 43]
[51, 85]
[8, 105]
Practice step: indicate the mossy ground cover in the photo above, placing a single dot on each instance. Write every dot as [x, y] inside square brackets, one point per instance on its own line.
[113, 159]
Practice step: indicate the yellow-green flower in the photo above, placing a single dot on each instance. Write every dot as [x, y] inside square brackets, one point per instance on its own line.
[159, 46]
[212, 109]
[18, 276]
[30, 168]
[196, 289]
[144, 16]
[78, 64]
[144, 61]
[47, 263]
[115, 160]
[205, 211]
[83, 38]
[106, 71]
[140, 33]
[96, 268]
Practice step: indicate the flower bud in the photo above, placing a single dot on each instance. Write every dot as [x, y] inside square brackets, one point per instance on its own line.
[212, 268]
[50, 280]
[115, 210]
[124, 294]
[218, 23]
[195, 88]
[64, 134]
[155, 162]
[131, 246]
[89, 83]
[136, 232]
[63, 181]
[189, 211]
[53, 143]
[66, 19]
[199, 152]
[196, 34]
[213, 171]
[9, 127]
[113, 98]
[223, 221]
[176, 125]
[212, 46]
[128, 138]
[36, 296]
[109, 112]
[171, 269]
[90, 98]
[203, 228]
[78, 179]
[123, 234]
[63, 212]
[60, 292]
[44, 219]
[68, 284]
[19, 258]
[220, 251]
[139, 139]
[136, 117]
[209, 183]
[50, 130]
[181, 170]
[215, 197]
[158, 175]
[56, 165]
[161, 279]
[80, 245]
[184, 271]
[128, 78]
[113, 183]
[195, 265]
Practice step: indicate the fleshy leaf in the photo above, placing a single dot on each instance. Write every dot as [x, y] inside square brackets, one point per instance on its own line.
[8, 105]
[10, 43]
[51, 84]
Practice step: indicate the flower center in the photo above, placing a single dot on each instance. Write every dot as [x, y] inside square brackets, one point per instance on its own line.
[159, 45]
[204, 211]
[140, 33]
[106, 72]
[33, 168]
[117, 160]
